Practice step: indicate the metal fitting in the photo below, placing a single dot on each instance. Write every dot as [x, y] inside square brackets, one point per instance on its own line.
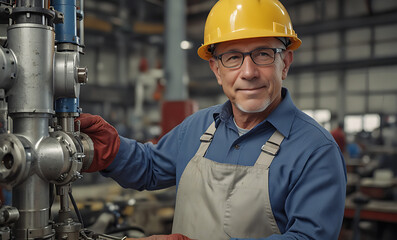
[82, 75]
[62, 156]
[8, 68]
[66, 77]
[15, 159]
[8, 214]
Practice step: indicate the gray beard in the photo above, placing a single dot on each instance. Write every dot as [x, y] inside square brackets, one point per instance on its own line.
[265, 105]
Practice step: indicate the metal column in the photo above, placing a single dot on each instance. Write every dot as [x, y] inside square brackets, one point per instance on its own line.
[175, 56]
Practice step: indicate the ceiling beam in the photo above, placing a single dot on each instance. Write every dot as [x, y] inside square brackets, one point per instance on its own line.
[347, 23]
[344, 65]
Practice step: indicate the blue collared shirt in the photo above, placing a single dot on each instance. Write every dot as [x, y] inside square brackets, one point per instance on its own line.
[307, 178]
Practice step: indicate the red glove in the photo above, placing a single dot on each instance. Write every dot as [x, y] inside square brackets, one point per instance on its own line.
[175, 236]
[105, 137]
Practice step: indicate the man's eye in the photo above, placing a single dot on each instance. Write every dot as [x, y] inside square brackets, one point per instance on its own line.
[264, 54]
[232, 57]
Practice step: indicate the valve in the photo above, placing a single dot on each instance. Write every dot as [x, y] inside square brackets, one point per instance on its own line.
[15, 159]
[8, 215]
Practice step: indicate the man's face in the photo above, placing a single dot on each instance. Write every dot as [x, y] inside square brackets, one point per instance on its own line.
[252, 88]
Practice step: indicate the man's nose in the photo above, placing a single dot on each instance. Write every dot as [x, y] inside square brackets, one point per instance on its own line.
[249, 69]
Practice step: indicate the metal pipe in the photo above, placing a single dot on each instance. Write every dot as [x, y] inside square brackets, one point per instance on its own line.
[81, 24]
[30, 105]
[33, 127]
[67, 123]
[175, 56]
[31, 198]
[33, 157]
[66, 32]
[24, 15]
[32, 91]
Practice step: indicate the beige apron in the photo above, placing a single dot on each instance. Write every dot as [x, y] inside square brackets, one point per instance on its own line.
[218, 201]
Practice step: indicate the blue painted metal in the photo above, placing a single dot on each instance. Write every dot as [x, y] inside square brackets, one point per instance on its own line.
[66, 32]
[67, 105]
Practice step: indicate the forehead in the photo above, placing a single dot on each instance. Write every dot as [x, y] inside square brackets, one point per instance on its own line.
[248, 44]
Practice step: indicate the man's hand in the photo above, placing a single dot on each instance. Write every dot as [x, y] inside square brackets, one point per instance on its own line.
[175, 236]
[105, 138]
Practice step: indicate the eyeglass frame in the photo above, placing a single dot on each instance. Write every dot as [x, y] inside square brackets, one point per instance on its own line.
[275, 50]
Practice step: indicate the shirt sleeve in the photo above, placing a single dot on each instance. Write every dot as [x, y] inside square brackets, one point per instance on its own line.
[315, 206]
[145, 165]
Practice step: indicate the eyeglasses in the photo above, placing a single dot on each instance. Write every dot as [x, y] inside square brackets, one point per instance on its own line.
[260, 56]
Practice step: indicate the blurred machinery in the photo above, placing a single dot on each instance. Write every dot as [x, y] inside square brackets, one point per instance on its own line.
[371, 203]
[41, 152]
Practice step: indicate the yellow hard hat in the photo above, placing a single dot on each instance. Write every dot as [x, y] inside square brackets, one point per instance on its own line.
[239, 19]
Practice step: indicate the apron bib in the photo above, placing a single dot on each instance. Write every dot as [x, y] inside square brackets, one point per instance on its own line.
[219, 201]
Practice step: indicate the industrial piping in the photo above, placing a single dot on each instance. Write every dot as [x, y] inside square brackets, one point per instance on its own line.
[40, 80]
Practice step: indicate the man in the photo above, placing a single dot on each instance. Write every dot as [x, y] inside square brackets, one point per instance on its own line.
[254, 167]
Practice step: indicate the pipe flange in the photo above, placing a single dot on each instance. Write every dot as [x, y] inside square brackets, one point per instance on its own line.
[15, 159]
[8, 68]
[72, 149]
[67, 230]
[88, 150]
[33, 10]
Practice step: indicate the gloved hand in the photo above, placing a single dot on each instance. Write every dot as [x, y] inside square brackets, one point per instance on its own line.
[105, 138]
[175, 236]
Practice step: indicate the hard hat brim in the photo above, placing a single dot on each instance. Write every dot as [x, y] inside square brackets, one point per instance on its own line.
[205, 54]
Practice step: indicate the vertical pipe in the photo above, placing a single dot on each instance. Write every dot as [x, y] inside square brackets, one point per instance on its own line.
[122, 47]
[341, 95]
[67, 109]
[31, 17]
[341, 92]
[66, 32]
[175, 56]
[33, 46]
[3, 113]
[64, 212]
[31, 197]
[30, 105]
[81, 24]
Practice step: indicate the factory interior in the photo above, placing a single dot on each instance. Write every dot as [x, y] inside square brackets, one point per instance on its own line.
[141, 73]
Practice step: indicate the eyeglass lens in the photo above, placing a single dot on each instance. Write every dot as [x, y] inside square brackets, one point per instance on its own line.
[260, 56]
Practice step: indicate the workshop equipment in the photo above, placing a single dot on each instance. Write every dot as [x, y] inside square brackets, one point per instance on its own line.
[41, 148]
[359, 200]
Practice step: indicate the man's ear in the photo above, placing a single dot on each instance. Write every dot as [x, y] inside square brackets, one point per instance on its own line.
[288, 59]
[215, 69]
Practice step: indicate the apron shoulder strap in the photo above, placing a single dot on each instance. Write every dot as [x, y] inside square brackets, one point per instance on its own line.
[206, 139]
[270, 149]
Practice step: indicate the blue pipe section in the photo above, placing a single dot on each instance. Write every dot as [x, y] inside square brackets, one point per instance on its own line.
[66, 32]
[67, 105]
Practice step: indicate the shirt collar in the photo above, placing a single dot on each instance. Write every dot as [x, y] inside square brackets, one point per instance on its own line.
[281, 118]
